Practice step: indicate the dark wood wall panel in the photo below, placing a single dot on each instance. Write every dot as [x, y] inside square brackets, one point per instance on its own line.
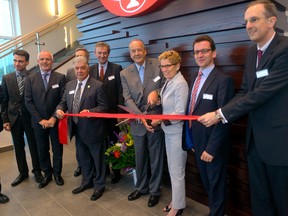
[174, 26]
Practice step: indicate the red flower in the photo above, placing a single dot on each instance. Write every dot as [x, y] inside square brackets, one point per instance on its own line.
[117, 154]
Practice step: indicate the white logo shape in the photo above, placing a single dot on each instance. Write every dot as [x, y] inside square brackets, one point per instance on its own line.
[132, 4]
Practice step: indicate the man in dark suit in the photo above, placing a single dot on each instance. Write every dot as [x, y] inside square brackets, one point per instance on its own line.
[109, 74]
[43, 92]
[70, 75]
[210, 90]
[263, 96]
[17, 119]
[86, 95]
[138, 80]
[3, 197]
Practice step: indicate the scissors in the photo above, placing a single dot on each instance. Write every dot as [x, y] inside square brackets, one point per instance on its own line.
[127, 109]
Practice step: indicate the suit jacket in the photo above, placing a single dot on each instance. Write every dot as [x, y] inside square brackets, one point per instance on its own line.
[174, 96]
[42, 103]
[111, 84]
[219, 89]
[94, 99]
[264, 99]
[13, 104]
[135, 93]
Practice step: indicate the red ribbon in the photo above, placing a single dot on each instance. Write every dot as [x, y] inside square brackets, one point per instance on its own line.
[63, 129]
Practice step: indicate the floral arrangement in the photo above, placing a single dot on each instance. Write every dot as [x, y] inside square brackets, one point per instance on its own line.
[121, 155]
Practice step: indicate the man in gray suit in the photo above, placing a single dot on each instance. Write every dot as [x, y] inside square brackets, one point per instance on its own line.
[138, 80]
[17, 119]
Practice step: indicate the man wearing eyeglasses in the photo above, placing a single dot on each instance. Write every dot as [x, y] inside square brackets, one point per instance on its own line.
[138, 80]
[210, 90]
[263, 96]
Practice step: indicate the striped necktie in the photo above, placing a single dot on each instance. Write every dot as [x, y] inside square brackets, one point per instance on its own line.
[20, 82]
[193, 95]
[76, 102]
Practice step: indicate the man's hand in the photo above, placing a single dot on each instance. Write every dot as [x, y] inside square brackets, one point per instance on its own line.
[206, 157]
[155, 122]
[60, 114]
[208, 119]
[153, 98]
[148, 127]
[85, 111]
[51, 122]
[7, 126]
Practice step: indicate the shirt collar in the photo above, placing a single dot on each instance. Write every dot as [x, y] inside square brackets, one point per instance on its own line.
[266, 45]
[207, 71]
[138, 66]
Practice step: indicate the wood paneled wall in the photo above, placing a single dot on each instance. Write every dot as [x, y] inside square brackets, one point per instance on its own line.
[174, 26]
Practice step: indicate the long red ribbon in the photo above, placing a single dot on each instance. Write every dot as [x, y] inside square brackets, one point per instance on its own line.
[63, 129]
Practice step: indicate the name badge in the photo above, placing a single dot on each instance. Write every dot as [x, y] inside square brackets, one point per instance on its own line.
[208, 96]
[55, 86]
[262, 73]
[72, 92]
[156, 78]
[111, 77]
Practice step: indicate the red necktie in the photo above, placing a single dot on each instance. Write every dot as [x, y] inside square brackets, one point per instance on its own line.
[102, 73]
[259, 55]
[193, 95]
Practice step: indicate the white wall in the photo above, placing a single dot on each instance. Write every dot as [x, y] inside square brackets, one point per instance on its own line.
[35, 13]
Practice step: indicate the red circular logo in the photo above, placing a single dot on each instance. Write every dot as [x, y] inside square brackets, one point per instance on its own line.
[131, 7]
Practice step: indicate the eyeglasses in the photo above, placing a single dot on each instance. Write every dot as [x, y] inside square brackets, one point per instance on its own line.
[253, 20]
[202, 51]
[165, 66]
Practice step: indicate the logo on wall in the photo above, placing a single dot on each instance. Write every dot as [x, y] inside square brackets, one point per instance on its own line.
[131, 7]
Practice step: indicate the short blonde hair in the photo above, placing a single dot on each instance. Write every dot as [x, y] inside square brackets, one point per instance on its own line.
[172, 56]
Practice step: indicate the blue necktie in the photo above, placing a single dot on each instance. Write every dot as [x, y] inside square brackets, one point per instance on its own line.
[141, 73]
[45, 80]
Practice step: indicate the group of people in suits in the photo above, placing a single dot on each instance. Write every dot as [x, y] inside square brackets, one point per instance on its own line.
[156, 86]
[262, 96]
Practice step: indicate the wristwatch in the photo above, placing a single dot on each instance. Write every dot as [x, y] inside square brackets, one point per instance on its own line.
[218, 116]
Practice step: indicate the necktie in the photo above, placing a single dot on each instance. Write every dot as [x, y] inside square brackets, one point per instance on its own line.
[45, 80]
[259, 55]
[76, 101]
[20, 82]
[102, 73]
[193, 95]
[141, 73]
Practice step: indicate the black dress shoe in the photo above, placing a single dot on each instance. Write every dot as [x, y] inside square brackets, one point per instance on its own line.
[134, 195]
[38, 177]
[45, 181]
[96, 194]
[59, 180]
[153, 200]
[81, 189]
[19, 179]
[3, 198]
[77, 172]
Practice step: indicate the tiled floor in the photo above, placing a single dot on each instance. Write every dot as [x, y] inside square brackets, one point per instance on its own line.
[27, 199]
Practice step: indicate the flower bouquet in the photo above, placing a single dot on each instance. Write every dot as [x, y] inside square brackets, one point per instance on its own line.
[121, 155]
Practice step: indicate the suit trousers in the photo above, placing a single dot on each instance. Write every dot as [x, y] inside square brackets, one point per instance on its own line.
[92, 162]
[176, 158]
[149, 152]
[213, 176]
[43, 147]
[19, 128]
[268, 185]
